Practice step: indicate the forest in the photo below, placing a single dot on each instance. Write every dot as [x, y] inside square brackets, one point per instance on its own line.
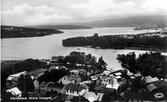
[152, 63]
[118, 41]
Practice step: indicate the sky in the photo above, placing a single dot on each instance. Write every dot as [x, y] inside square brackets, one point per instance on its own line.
[38, 12]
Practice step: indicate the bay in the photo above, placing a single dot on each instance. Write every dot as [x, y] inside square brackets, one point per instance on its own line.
[47, 46]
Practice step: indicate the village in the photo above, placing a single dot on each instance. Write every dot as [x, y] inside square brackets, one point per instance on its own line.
[90, 81]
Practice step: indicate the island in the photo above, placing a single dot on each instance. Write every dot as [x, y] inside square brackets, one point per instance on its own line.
[17, 32]
[149, 41]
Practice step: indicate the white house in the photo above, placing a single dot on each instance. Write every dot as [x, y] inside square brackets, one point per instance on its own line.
[36, 84]
[91, 96]
[107, 80]
[15, 91]
[75, 89]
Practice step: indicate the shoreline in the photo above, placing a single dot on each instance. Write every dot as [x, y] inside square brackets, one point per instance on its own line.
[30, 36]
[163, 50]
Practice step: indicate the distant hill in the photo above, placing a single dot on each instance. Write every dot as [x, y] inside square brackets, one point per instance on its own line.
[150, 21]
[14, 32]
[133, 21]
[60, 26]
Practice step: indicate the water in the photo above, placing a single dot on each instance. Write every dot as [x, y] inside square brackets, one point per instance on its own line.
[47, 46]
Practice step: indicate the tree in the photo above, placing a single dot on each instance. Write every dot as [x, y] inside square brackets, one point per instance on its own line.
[101, 64]
[54, 75]
[25, 83]
[4, 76]
[152, 63]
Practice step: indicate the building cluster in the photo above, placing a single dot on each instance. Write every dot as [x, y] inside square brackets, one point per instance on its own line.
[108, 84]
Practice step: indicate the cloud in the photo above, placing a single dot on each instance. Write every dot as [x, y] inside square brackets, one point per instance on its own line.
[33, 12]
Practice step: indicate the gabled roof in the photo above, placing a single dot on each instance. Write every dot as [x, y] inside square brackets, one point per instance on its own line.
[16, 75]
[151, 87]
[114, 86]
[157, 85]
[75, 87]
[160, 83]
[91, 96]
[71, 77]
[14, 91]
[137, 75]
[149, 79]
[53, 67]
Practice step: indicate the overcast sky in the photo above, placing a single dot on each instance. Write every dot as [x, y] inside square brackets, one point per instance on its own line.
[35, 12]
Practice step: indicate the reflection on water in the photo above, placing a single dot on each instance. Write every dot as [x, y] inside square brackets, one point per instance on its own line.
[47, 46]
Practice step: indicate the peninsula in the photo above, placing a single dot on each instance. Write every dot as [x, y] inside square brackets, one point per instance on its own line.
[16, 32]
[148, 41]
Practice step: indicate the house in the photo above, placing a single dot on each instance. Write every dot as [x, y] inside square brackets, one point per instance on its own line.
[37, 73]
[149, 79]
[75, 71]
[133, 76]
[103, 89]
[86, 82]
[75, 89]
[43, 86]
[137, 75]
[70, 79]
[114, 86]
[91, 96]
[53, 87]
[158, 89]
[15, 91]
[107, 80]
[49, 86]
[78, 71]
[36, 84]
[16, 76]
[12, 80]
[124, 81]
[118, 74]
[53, 67]
[151, 87]
[160, 85]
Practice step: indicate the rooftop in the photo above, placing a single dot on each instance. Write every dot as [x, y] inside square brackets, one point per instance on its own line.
[37, 71]
[75, 87]
[14, 91]
[16, 75]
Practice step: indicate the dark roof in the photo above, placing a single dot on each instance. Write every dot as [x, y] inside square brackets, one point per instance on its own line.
[157, 85]
[54, 85]
[160, 83]
[75, 87]
[102, 88]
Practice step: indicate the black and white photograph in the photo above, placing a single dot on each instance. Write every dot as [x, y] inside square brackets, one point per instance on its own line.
[83, 51]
